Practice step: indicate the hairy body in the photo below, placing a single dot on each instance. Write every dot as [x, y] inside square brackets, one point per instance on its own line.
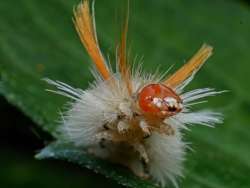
[133, 118]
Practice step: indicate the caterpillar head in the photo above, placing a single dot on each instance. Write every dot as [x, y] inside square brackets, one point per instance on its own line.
[159, 100]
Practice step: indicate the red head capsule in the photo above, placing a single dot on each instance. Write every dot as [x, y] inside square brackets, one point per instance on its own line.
[159, 100]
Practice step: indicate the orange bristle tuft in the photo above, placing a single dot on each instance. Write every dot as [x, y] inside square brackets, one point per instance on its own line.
[190, 67]
[85, 27]
[122, 55]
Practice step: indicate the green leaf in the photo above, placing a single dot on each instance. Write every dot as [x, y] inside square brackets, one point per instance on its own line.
[37, 40]
[70, 153]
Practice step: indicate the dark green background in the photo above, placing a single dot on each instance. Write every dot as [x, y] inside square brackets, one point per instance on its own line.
[37, 39]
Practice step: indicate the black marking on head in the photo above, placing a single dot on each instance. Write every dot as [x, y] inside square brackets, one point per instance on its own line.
[172, 109]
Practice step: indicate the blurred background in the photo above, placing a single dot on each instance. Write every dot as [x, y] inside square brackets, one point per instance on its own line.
[37, 40]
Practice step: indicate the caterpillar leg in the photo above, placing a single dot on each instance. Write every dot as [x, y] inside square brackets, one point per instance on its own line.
[122, 127]
[141, 150]
[145, 128]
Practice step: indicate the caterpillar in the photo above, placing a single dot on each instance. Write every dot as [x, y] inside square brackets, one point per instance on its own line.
[130, 117]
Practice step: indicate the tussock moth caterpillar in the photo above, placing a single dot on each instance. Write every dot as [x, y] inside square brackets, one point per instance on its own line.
[133, 118]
